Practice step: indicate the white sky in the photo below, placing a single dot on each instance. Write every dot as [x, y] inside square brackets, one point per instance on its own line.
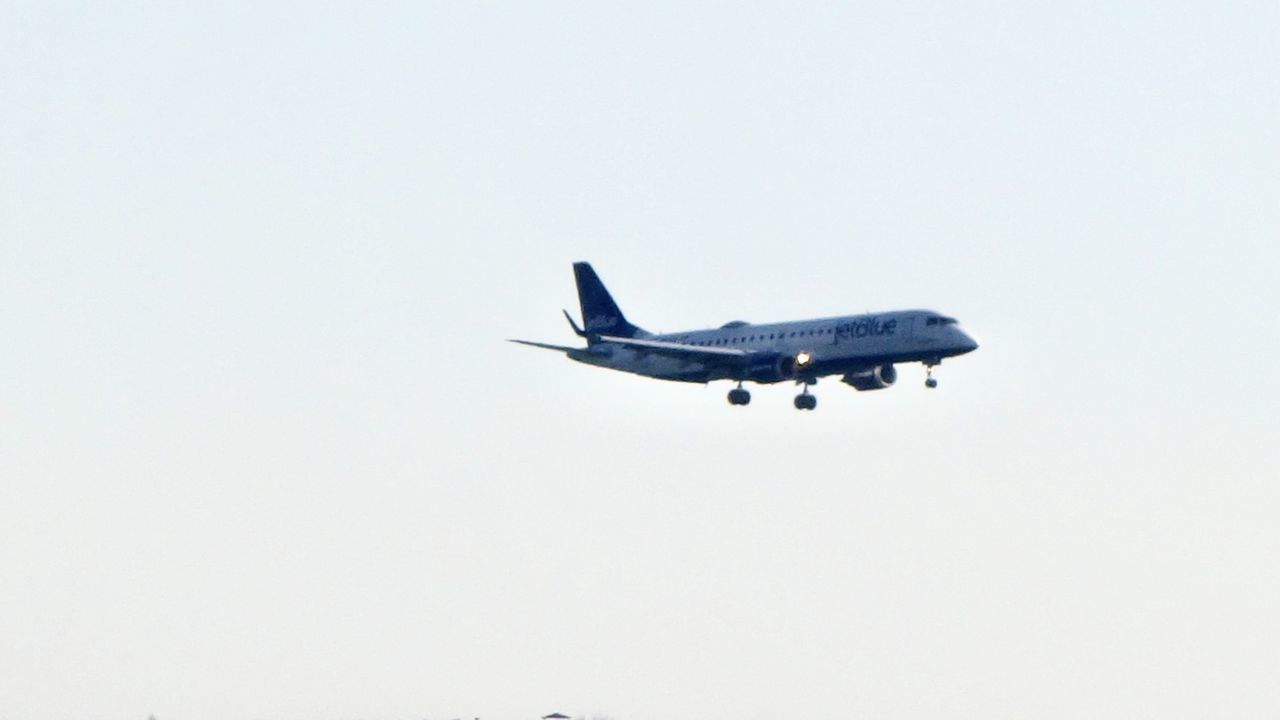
[264, 455]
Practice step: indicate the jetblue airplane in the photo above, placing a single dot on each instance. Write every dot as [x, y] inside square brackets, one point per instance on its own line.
[862, 349]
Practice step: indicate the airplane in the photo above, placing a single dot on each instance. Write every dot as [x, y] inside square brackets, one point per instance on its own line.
[862, 349]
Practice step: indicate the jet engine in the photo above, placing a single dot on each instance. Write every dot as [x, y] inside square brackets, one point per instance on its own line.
[777, 369]
[877, 378]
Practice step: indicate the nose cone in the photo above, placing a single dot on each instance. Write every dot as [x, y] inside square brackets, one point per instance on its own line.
[967, 344]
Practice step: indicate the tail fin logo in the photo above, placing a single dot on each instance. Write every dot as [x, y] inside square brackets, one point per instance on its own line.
[599, 311]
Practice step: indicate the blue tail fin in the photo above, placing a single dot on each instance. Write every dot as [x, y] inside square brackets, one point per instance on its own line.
[600, 314]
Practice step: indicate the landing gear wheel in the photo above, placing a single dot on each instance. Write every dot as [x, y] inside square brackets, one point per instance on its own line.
[739, 396]
[929, 380]
[805, 401]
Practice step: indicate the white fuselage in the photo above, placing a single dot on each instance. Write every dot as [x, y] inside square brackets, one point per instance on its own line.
[844, 344]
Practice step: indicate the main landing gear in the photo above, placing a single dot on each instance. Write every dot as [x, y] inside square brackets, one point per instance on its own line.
[805, 401]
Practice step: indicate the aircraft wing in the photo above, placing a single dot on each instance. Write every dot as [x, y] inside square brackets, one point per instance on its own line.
[683, 351]
[545, 346]
[680, 350]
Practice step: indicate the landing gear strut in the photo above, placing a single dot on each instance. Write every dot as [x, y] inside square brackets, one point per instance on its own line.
[805, 401]
[929, 380]
[739, 396]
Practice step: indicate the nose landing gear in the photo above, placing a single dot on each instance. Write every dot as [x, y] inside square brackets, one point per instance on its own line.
[929, 380]
[739, 396]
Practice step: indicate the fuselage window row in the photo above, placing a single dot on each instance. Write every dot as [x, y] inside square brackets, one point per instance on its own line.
[792, 334]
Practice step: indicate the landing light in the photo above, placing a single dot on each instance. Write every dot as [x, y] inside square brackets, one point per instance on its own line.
[803, 358]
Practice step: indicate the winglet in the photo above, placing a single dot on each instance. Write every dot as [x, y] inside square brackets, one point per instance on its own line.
[577, 330]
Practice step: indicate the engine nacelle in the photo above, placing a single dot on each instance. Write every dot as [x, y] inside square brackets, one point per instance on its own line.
[787, 367]
[877, 378]
[766, 372]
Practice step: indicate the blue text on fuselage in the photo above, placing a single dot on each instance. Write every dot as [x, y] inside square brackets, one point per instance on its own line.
[866, 327]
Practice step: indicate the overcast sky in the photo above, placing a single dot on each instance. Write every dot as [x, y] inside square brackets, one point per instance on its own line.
[264, 454]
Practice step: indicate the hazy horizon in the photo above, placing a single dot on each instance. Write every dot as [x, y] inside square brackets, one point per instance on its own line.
[266, 455]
